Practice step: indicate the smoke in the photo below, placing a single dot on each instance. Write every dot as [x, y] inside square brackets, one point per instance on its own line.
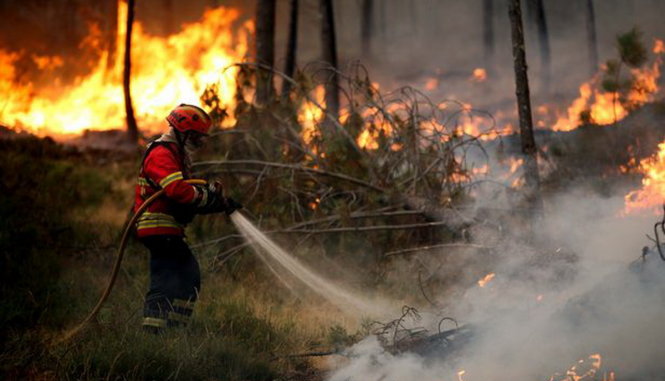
[542, 314]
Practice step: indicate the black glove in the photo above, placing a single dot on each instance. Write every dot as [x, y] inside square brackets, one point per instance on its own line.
[210, 200]
[231, 205]
[213, 201]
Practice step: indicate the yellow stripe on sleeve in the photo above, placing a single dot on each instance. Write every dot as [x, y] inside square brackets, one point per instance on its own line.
[175, 176]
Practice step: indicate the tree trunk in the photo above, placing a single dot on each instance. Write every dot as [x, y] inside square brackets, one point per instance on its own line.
[265, 49]
[488, 34]
[132, 128]
[529, 149]
[366, 28]
[543, 43]
[330, 58]
[291, 48]
[592, 42]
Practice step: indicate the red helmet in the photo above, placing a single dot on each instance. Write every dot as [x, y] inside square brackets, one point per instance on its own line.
[190, 118]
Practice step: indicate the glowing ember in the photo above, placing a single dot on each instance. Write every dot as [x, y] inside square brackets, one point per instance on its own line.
[314, 204]
[460, 374]
[539, 298]
[584, 370]
[165, 72]
[479, 75]
[474, 172]
[431, 84]
[652, 194]
[658, 47]
[483, 282]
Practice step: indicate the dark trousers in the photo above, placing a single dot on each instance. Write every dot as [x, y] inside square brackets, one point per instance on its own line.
[175, 280]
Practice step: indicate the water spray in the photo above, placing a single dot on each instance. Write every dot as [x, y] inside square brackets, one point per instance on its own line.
[268, 251]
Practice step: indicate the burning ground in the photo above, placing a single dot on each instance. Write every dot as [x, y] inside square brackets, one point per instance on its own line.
[414, 195]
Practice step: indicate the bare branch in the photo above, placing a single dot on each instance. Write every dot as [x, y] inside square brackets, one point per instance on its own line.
[296, 167]
[434, 247]
[364, 228]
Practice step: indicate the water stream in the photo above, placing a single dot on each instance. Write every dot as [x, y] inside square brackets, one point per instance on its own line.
[284, 264]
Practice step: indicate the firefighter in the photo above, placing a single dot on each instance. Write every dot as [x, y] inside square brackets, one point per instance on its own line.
[175, 279]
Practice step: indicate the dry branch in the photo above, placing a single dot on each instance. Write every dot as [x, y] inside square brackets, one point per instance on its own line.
[434, 247]
[295, 167]
[363, 228]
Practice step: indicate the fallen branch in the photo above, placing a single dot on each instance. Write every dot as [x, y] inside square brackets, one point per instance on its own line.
[362, 228]
[234, 250]
[357, 215]
[295, 167]
[434, 247]
[309, 354]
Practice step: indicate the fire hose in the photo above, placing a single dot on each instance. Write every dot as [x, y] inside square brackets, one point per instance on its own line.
[118, 260]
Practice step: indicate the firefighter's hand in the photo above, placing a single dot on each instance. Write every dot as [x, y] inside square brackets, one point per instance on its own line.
[210, 200]
[231, 205]
[216, 187]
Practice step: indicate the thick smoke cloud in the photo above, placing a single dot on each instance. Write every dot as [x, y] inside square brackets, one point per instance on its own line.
[533, 321]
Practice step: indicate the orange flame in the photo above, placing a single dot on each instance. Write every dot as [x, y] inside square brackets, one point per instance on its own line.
[658, 47]
[652, 193]
[165, 72]
[431, 84]
[309, 115]
[604, 107]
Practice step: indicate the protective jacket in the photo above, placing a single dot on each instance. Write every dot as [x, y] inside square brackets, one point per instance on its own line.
[164, 168]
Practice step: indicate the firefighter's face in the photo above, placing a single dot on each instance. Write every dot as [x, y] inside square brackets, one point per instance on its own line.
[196, 140]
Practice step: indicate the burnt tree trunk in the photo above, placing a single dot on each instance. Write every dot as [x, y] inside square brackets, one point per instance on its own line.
[366, 28]
[132, 128]
[291, 48]
[488, 34]
[592, 42]
[265, 49]
[529, 149]
[329, 56]
[543, 43]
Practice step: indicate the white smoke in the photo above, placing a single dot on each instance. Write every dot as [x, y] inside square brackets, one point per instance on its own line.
[533, 320]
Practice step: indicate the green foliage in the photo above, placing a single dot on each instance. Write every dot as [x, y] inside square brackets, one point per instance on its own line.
[631, 49]
[632, 53]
